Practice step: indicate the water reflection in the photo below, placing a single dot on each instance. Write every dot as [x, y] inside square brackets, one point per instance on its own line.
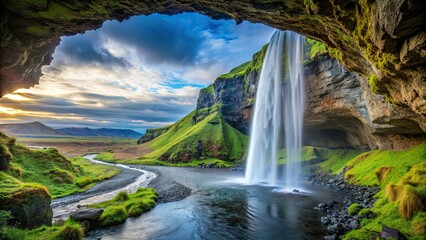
[221, 210]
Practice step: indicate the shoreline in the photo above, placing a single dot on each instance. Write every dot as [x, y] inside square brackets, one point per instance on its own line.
[168, 189]
[336, 217]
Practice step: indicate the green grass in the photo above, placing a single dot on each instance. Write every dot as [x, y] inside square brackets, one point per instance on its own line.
[69, 231]
[365, 167]
[124, 205]
[193, 163]
[179, 143]
[48, 168]
[401, 175]
[105, 156]
[236, 72]
[315, 49]
[354, 209]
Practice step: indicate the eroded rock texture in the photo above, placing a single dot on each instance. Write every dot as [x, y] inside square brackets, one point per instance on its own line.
[341, 111]
[384, 39]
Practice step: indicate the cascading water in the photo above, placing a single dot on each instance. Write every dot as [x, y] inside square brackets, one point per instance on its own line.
[273, 107]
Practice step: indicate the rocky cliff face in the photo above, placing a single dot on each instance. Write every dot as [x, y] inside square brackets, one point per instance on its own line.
[341, 111]
[151, 134]
[381, 39]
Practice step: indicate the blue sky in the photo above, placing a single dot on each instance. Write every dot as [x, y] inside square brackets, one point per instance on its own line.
[144, 72]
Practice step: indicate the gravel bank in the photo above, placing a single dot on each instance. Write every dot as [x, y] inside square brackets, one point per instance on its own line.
[337, 219]
[168, 190]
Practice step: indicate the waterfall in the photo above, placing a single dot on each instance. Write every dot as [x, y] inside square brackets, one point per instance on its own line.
[279, 99]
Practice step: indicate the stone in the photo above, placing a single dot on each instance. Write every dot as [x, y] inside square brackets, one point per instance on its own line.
[89, 214]
[335, 228]
[330, 237]
[413, 50]
[391, 233]
[325, 220]
[321, 206]
[353, 225]
[30, 207]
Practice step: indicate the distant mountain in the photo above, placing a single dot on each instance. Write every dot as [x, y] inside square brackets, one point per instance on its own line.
[107, 132]
[31, 128]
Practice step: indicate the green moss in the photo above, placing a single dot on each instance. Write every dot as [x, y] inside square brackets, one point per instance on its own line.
[315, 49]
[38, 30]
[372, 80]
[209, 90]
[237, 71]
[125, 205]
[257, 61]
[121, 197]
[365, 212]
[364, 167]
[336, 159]
[69, 231]
[354, 209]
[113, 215]
[402, 178]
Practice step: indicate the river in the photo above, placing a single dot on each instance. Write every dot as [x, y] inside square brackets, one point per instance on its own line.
[220, 207]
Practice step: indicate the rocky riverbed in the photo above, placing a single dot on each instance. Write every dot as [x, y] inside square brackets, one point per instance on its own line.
[337, 218]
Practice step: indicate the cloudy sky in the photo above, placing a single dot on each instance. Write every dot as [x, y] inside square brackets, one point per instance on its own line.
[144, 72]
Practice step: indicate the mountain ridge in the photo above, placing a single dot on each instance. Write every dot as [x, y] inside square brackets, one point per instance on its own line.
[30, 128]
[102, 132]
[38, 128]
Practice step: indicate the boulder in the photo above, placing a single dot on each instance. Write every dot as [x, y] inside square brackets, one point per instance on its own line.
[86, 214]
[30, 207]
[391, 233]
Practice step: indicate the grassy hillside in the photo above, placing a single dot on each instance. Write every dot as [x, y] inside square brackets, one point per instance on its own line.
[59, 175]
[401, 176]
[218, 141]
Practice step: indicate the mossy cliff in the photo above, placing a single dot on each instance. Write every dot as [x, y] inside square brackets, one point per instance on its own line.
[381, 38]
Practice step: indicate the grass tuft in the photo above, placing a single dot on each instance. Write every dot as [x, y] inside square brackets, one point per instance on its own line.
[121, 197]
[382, 173]
[391, 192]
[70, 231]
[410, 202]
[125, 205]
[354, 209]
[113, 215]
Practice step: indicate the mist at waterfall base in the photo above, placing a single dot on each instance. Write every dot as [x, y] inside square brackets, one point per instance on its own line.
[278, 114]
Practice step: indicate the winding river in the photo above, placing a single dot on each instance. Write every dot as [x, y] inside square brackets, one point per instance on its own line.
[129, 180]
[220, 207]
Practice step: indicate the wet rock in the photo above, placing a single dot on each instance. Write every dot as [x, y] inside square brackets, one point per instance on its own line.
[325, 220]
[86, 214]
[391, 233]
[335, 228]
[353, 225]
[330, 237]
